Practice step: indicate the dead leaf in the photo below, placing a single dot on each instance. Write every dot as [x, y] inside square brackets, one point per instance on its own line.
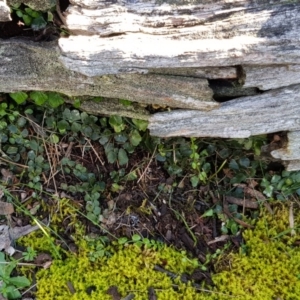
[242, 202]
[254, 193]
[17, 232]
[113, 291]
[221, 238]
[43, 258]
[5, 239]
[8, 176]
[6, 208]
[47, 265]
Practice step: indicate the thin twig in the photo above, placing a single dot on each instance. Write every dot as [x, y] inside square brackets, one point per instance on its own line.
[151, 158]
[101, 161]
[13, 163]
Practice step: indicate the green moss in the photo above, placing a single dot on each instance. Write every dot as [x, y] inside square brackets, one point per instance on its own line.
[130, 269]
[266, 268]
[269, 266]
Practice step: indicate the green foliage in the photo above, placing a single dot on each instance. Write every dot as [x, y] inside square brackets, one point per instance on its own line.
[10, 284]
[30, 254]
[48, 99]
[139, 241]
[92, 206]
[281, 186]
[35, 19]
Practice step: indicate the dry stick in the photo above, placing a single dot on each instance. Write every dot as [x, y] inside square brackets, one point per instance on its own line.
[147, 165]
[291, 219]
[30, 288]
[13, 163]
[52, 172]
[95, 152]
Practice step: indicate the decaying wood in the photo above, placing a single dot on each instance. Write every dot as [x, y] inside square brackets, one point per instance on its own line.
[35, 66]
[179, 54]
[271, 77]
[292, 150]
[145, 34]
[292, 165]
[276, 110]
[4, 12]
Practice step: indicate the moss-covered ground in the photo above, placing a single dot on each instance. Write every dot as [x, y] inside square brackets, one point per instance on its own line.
[120, 214]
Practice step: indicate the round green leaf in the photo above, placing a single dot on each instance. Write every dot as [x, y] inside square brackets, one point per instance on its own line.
[39, 98]
[135, 137]
[19, 97]
[122, 157]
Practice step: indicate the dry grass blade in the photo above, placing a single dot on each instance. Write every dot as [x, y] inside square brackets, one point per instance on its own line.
[96, 153]
[144, 172]
[291, 219]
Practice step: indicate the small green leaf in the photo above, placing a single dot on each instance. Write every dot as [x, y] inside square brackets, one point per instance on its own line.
[120, 138]
[32, 13]
[19, 281]
[50, 16]
[54, 138]
[244, 162]
[75, 127]
[122, 241]
[117, 123]
[125, 102]
[21, 122]
[135, 137]
[208, 213]
[54, 99]
[39, 98]
[77, 103]
[140, 124]
[62, 126]
[12, 293]
[27, 20]
[111, 156]
[122, 157]
[268, 191]
[19, 97]
[234, 165]
[38, 23]
[19, 13]
[194, 181]
[136, 237]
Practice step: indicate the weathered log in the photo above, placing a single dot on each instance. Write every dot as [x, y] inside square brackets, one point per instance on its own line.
[4, 12]
[276, 110]
[271, 77]
[292, 149]
[26, 65]
[180, 54]
[177, 34]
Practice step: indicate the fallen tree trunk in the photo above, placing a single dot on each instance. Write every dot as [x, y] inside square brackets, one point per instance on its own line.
[181, 55]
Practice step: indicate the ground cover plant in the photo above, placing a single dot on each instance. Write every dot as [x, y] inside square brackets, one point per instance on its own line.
[138, 215]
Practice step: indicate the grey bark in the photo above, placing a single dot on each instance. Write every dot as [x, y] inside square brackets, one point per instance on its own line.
[4, 12]
[276, 110]
[42, 5]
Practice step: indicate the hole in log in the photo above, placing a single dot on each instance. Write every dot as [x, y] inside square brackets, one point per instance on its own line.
[64, 4]
[225, 90]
